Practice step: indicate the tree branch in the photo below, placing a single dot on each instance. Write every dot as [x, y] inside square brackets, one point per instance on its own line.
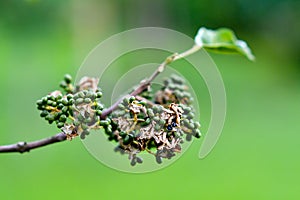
[22, 147]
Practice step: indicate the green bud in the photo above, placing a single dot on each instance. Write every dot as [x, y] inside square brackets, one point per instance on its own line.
[121, 106]
[69, 96]
[71, 102]
[161, 122]
[58, 97]
[158, 159]
[63, 84]
[79, 101]
[188, 137]
[49, 102]
[87, 100]
[156, 118]
[187, 110]
[99, 106]
[68, 78]
[44, 99]
[103, 123]
[99, 94]
[127, 139]
[65, 102]
[65, 109]
[146, 122]
[50, 117]
[122, 134]
[191, 126]
[63, 118]
[40, 107]
[76, 96]
[84, 126]
[60, 124]
[108, 129]
[157, 127]
[39, 102]
[133, 162]
[60, 106]
[197, 133]
[190, 115]
[44, 113]
[98, 112]
[143, 103]
[131, 99]
[197, 125]
[81, 94]
[54, 104]
[88, 120]
[76, 123]
[139, 160]
[89, 94]
[125, 101]
[150, 112]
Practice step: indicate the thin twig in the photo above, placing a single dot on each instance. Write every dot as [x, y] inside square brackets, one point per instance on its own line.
[22, 147]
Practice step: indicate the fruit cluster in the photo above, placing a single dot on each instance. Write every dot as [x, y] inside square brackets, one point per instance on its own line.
[157, 126]
[153, 122]
[77, 111]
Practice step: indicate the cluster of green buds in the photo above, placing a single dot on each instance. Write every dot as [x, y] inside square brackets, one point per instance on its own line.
[153, 122]
[158, 126]
[75, 111]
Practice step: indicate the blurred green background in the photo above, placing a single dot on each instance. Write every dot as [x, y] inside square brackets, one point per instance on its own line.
[257, 155]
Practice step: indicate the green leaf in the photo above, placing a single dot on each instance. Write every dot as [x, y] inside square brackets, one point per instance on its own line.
[222, 40]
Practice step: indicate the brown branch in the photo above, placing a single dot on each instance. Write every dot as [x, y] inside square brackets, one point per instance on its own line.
[143, 85]
[22, 147]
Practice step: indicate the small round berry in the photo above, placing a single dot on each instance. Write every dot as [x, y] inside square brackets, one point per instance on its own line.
[63, 118]
[158, 159]
[81, 94]
[139, 160]
[104, 123]
[69, 96]
[49, 102]
[98, 112]
[99, 94]
[87, 100]
[79, 101]
[125, 101]
[44, 113]
[131, 99]
[169, 127]
[161, 122]
[39, 102]
[71, 102]
[84, 126]
[60, 124]
[63, 84]
[60, 106]
[157, 127]
[133, 162]
[188, 137]
[65, 109]
[68, 78]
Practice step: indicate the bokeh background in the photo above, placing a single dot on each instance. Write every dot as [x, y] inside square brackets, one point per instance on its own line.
[257, 155]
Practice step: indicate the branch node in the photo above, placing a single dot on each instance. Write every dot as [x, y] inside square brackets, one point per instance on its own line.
[22, 147]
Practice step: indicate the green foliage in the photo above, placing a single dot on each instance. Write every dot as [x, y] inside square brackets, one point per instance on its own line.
[222, 40]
